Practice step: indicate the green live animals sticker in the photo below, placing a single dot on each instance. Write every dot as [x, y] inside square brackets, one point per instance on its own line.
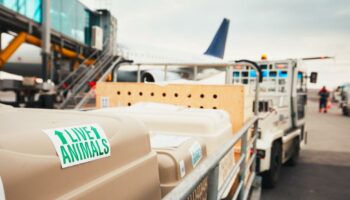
[79, 144]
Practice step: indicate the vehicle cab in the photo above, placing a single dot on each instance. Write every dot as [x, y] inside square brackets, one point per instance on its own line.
[282, 102]
[344, 99]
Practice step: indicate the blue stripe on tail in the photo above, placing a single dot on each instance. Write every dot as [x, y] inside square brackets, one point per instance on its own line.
[217, 46]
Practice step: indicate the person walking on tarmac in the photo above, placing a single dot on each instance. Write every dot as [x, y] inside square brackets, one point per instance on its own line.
[324, 94]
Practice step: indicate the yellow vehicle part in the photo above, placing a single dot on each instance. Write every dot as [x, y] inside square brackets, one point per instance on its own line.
[12, 47]
[25, 37]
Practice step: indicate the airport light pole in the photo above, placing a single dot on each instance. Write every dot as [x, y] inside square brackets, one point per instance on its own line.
[47, 89]
[46, 39]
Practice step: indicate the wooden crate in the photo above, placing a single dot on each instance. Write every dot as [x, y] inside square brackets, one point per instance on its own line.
[237, 100]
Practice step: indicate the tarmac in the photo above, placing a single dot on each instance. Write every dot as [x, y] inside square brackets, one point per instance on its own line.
[323, 171]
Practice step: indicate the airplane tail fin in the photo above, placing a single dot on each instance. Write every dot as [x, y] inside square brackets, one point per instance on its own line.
[217, 46]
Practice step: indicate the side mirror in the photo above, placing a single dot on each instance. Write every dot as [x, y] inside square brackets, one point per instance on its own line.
[313, 77]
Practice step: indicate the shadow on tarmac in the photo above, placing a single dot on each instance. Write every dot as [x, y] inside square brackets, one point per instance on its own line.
[323, 171]
[313, 178]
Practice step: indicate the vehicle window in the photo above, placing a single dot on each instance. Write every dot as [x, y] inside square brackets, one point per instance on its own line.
[273, 74]
[264, 66]
[275, 77]
[283, 74]
[301, 83]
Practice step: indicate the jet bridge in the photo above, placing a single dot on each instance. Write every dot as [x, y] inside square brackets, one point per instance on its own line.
[76, 31]
[72, 24]
[78, 38]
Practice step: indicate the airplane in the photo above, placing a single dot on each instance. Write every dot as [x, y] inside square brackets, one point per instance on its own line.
[213, 54]
[19, 64]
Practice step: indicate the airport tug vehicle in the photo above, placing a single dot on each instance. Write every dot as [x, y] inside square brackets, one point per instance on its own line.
[344, 101]
[282, 103]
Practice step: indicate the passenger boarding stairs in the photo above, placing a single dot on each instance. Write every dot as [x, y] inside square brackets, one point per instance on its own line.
[75, 89]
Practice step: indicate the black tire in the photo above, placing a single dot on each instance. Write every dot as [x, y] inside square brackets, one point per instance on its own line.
[271, 177]
[345, 111]
[293, 160]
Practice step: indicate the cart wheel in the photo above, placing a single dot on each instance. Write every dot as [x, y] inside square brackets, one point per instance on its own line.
[270, 177]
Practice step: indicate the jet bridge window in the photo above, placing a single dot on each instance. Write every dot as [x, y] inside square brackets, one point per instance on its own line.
[301, 83]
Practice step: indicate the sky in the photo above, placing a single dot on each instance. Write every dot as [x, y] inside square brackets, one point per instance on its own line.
[280, 29]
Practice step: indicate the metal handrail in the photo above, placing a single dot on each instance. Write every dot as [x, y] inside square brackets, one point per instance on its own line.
[230, 175]
[82, 64]
[92, 73]
[103, 77]
[239, 188]
[103, 60]
[99, 69]
[186, 187]
[82, 75]
[73, 72]
[248, 186]
[79, 86]
[98, 65]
